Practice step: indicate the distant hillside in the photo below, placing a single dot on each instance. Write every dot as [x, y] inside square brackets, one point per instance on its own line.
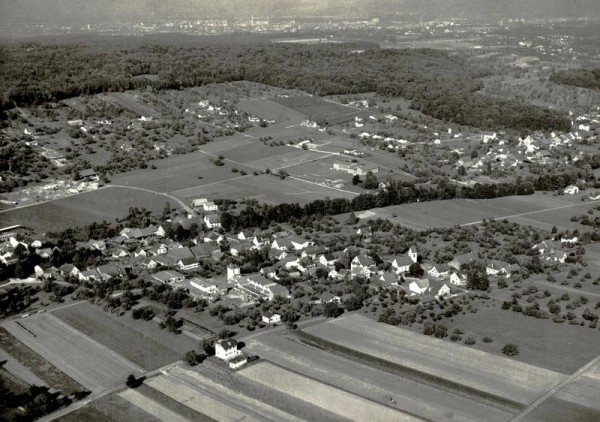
[80, 11]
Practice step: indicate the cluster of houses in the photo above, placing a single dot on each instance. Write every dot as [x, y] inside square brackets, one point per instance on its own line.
[357, 169]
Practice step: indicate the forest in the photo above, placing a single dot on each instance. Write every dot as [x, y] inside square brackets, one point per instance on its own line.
[581, 78]
[443, 86]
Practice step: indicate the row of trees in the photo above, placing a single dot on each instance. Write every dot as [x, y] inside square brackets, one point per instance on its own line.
[395, 194]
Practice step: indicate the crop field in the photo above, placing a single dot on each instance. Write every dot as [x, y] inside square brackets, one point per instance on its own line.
[92, 321]
[111, 408]
[103, 204]
[533, 336]
[477, 370]
[271, 110]
[86, 361]
[538, 210]
[264, 188]
[321, 395]
[213, 400]
[319, 109]
[372, 383]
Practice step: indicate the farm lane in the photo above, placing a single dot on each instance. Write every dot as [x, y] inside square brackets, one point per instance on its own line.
[195, 188]
[323, 186]
[521, 416]
[474, 223]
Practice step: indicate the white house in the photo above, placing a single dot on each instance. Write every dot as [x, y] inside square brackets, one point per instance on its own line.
[458, 279]
[271, 318]
[419, 286]
[401, 264]
[571, 190]
[227, 349]
[210, 206]
[413, 254]
[212, 221]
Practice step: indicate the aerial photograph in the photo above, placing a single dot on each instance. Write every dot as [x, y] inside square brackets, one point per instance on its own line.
[300, 210]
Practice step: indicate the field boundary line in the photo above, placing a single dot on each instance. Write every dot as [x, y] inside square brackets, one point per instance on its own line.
[533, 212]
[180, 191]
[556, 389]
[179, 201]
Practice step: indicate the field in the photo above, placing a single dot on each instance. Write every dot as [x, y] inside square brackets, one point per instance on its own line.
[340, 402]
[214, 400]
[92, 321]
[374, 384]
[265, 188]
[539, 210]
[86, 361]
[318, 109]
[479, 371]
[112, 408]
[268, 109]
[29, 361]
[571, 346]
[103, 204]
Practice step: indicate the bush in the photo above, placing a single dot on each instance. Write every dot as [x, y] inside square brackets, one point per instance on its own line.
[192, 358]
[510, 349]
[133, 382]
[487, 339]
[469, 341]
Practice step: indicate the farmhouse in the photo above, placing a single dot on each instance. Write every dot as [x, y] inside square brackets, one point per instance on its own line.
[189, 263]
[89, 175]
[271, 318]
[227, 349]
[168, 276]
[258, 287]
[208, 287]
[356, 169]
[328, 297]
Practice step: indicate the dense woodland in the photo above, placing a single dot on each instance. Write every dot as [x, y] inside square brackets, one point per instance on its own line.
[582, 78]
[443, 86]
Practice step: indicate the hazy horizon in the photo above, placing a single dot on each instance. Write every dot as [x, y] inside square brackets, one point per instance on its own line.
[86, 11]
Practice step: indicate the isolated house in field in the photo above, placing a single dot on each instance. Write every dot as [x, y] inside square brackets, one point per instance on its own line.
[271, 318]
[168, 277]
[571, 190]
[401, 264]
[227, 349]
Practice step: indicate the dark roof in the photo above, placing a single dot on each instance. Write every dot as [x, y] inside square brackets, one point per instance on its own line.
[228, 343]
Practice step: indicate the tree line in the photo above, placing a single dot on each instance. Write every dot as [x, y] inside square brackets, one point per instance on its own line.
[440, 85]
[397, 193]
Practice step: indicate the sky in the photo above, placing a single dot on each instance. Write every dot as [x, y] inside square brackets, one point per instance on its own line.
[91, 11]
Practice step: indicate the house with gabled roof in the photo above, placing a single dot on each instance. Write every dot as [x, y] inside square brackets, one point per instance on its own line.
[458, 278]
[168, 276]
[89, 275]
[212, 221]
[189, 263]
[413, 254]
[69, 270]
[418, 286]
[328, 297]
[109, 271]
[438, 270]
[401, 264]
